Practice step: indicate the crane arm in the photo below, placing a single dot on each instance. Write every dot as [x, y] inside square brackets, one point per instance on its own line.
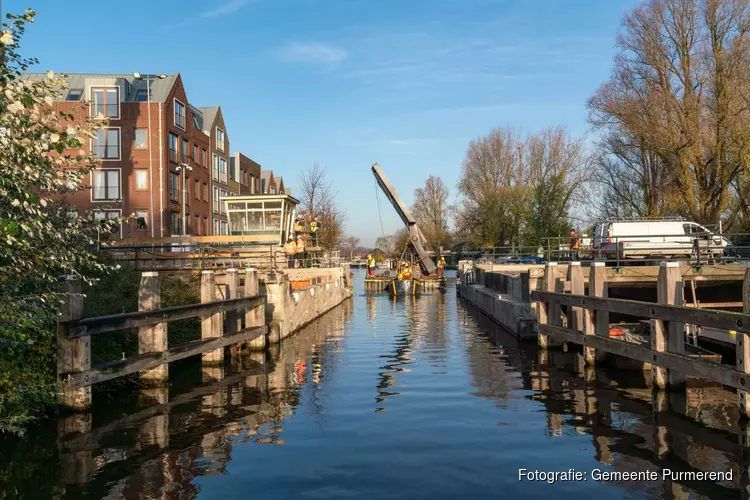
[416, 238]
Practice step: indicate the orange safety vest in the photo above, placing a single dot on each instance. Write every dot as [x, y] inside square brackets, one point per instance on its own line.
[290, 248]
[300, 246]
[575, 242]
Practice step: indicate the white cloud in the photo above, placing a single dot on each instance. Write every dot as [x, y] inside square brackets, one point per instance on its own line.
[313, 52]
[227, 8]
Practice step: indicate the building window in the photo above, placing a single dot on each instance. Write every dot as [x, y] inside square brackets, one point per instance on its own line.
[179, 114]
[195, 154]
[198, 225]
[205, 226]
[224, 194]
[141, 179]
[100, 216]
[215, 168]
[106, 144]
[203, 158]
[141, 220]
[173, 141]
[105, 102]
[74, 95]
[197, 190]
[232, 171]
[141, 95]
[223, 170]
[174, 223]
[216, 200]
[205, 192]
[185, 148]
[219, 139]
[106, 184]
[174, 182]
[141, 138]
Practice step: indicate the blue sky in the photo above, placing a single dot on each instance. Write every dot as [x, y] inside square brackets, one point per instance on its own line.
[347, 83]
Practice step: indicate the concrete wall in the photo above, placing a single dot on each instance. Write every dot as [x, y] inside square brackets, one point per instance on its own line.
[502, 296]
[287, 311]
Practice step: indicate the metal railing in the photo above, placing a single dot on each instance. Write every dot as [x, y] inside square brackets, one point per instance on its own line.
[698, 249]
[197, 257]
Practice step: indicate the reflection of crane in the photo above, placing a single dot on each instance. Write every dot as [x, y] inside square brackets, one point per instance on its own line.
[416, 238]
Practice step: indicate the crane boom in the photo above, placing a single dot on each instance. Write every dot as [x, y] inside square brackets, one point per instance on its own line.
[416, 238]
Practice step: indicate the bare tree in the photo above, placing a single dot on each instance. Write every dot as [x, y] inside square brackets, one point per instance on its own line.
[431, 211]
[680, 85]
[516, 190]
[350, 244]
[318, 201]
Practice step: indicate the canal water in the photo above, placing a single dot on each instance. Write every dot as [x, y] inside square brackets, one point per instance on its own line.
[415, 398]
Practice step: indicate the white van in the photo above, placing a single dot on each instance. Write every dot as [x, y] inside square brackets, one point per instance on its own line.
[640, 239]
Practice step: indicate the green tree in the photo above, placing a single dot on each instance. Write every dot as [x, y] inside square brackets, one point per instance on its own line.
[42, 158]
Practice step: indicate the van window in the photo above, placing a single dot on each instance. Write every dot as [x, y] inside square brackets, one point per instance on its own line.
[694, 229]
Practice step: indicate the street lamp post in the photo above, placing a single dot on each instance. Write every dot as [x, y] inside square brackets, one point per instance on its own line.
[184, 168]
[149, 79]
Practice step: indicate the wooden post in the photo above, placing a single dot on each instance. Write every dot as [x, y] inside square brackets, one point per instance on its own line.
[255, 316]
[575, 314]
[234, 318]
[743, 348]
[595, 322]
[152, 338]
[211, 326]
[547, 310]
[73, 355]
[668, 337]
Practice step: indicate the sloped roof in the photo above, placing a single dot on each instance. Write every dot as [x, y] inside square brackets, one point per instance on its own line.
[209, 116]
[197, 115]
[160, 88]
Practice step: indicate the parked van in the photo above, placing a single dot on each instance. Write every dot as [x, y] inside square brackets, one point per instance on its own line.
[657, 239]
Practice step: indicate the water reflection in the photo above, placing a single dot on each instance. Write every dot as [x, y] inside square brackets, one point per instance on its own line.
[632, 427]
[467, 406]
[166, 441]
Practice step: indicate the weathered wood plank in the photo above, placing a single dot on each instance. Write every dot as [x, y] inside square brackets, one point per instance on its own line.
[134, 364]
[73, 354]
[724, 320]
[742, 342]
[104, 324]
[723, 374]
[152, 338]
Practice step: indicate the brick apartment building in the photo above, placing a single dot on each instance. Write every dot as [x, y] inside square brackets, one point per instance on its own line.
[154, 160]
[216, 130]
[247, 175]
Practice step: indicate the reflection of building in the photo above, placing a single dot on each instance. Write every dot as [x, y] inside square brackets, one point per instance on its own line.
[267, 218]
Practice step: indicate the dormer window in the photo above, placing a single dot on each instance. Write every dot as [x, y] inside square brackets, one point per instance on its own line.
[141, 95]
[74, 95]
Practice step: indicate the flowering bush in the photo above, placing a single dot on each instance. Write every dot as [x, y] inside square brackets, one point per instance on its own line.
[42, 158]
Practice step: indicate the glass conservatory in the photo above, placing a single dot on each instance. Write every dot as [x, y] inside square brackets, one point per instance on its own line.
[266, 218]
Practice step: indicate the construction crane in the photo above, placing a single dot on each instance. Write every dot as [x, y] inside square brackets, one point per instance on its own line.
[416, 238]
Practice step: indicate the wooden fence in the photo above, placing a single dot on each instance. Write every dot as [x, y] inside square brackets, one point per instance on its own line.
[244, 322]
[588, 325]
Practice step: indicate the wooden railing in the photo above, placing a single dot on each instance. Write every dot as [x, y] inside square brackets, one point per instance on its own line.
[75, 373]
[587, 318]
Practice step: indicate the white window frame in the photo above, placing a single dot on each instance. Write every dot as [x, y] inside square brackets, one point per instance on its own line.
[106, 211]
[135, 179]
[174, 113]
[223, 175]
[221, 144]
[135, 136]
[93, 186]
[119, 144]
[91, 102]
[216, 205]
[215, 167]
[135, 212]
